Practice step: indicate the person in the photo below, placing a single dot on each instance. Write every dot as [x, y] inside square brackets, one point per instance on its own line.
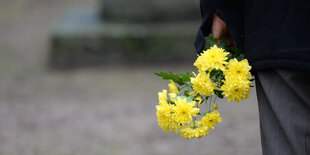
[275, 36]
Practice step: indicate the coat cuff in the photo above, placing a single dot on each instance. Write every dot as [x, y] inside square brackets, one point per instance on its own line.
[229, 11]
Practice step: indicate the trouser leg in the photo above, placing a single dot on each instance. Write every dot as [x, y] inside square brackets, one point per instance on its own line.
[284, 109]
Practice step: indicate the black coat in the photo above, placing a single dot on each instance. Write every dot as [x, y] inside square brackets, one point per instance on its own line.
[274, 33]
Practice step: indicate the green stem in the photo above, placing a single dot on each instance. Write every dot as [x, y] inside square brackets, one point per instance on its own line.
[214, 99]
[206, 104]
[195, 118]
[197, 96]
[210, 103]
[181, 91]
[203, 99]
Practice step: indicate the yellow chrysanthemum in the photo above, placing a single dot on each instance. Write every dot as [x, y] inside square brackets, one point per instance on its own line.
[214, 107]
[236, 89]
[189, 131]
[173, 87]
[202, 84]
[192, 93]
[165, 113]
[165, 118]
[238, 69]
[172, 96]
[198, 100]
[211, 119]
[185, 110]
[213, 58]
[162, 97]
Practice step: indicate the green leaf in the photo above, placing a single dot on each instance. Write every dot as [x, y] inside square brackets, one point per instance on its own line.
[219, 93]
[186, 76]
[229, 56]
[216, 75]
[224, 43]
[188, 84]
[180, 79]
[235, 50]
[210, 41]
[236, 53]
[190, 98]
[170, 102]
[240, 57]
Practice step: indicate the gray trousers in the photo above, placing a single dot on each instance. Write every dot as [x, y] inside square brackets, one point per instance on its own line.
[284, 110]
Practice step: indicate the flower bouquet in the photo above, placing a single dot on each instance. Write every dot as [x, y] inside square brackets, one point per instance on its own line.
[222, 72]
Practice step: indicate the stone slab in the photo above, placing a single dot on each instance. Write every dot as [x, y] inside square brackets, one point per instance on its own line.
[80, 38]
[150, 10]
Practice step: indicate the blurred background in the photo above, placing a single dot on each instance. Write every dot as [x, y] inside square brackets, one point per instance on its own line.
[76, 78]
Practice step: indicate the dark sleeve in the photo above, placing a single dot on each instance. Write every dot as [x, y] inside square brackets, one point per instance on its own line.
[231, 11]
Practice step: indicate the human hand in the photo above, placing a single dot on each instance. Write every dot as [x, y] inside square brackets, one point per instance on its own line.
[220, 30]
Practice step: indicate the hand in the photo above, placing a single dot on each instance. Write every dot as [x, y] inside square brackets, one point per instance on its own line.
[220, 30]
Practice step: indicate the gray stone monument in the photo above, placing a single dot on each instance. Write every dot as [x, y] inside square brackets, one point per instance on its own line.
[126, 32]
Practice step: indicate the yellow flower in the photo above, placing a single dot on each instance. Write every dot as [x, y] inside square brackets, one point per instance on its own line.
[189, 131]
[165, 118]
[185, 110]
[237, 69]
[202, 84]
[211, 119]
[172, 96]
[173, 87]
[192, 93]
[198, 100]
[215, 107]
[165, 113]
[213, 58]
[162, 97]
[236, 89]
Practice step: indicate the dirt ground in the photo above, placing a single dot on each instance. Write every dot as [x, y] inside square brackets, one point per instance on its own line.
[93, 111]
